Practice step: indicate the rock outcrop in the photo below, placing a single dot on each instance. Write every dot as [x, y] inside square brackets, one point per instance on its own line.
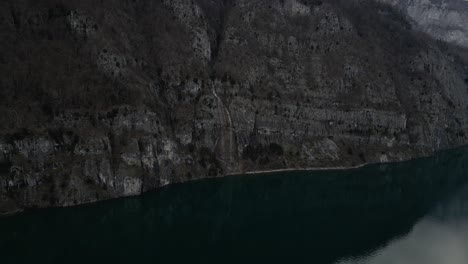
[444, 19]
[103, 99]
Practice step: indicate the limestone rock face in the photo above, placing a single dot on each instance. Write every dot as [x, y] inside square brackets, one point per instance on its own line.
[103, 99]
[444, 19]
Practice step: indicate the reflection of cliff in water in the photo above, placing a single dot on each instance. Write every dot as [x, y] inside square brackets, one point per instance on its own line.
[454, 209]
[440, 237]
[320, 217]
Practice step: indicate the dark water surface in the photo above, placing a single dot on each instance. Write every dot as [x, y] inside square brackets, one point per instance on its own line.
[413, 212]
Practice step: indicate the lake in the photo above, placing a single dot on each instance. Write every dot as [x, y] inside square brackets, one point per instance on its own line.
[411, 212]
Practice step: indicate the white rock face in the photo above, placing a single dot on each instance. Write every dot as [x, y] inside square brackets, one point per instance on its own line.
[34, 147]
[192, 17]
[296, 8]
[443, 19]
[132, 186]
[81, 24]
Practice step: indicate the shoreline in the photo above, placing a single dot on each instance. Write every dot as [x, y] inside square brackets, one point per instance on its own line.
[20, 210]
[311, 169]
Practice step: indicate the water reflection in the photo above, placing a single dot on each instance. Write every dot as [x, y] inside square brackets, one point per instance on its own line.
[440, 238]
[314, 217]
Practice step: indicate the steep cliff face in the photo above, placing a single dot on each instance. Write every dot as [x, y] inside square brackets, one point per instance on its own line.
[102, 99]
[443, 19]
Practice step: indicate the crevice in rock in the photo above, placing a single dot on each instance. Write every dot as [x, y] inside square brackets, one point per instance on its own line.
[216, 15]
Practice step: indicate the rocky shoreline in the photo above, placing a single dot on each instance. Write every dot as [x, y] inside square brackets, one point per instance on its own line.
[8, 208]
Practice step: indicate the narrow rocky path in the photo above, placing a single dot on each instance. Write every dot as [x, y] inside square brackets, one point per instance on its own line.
[226, 143]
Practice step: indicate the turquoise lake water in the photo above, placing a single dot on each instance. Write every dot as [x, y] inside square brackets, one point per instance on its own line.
[412, 212]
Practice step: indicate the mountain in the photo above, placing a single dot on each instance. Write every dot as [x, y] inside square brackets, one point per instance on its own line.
[443, 19]
[103, 99]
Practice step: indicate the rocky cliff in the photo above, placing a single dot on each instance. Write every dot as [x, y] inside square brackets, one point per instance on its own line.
[444, 19]
[103, 99]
